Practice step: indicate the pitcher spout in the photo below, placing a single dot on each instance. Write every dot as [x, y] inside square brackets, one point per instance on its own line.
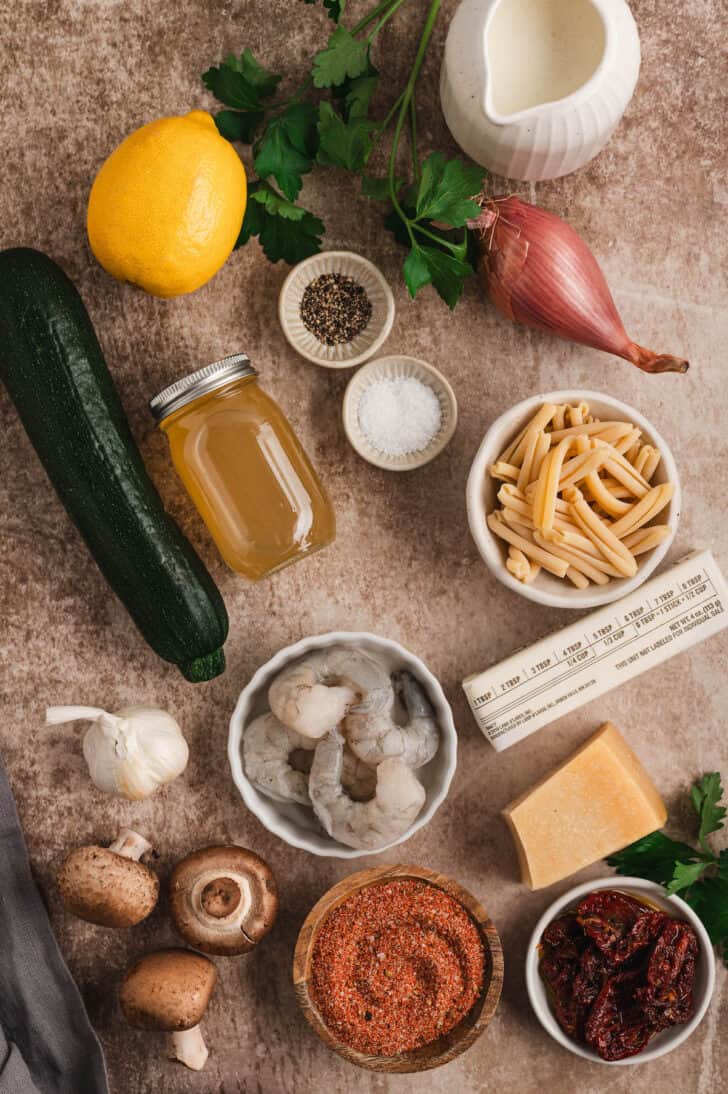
[541, 55]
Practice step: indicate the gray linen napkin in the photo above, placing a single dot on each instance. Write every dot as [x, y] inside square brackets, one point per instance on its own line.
[47, 1045]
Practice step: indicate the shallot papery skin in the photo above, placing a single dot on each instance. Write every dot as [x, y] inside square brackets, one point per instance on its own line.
[540, 272]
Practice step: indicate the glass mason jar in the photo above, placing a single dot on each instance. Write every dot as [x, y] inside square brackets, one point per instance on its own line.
[244, 468]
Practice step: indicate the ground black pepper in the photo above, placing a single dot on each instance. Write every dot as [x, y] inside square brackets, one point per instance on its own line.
[335, 308]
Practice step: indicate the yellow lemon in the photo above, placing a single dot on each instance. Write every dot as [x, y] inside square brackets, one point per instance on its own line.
[167, 206]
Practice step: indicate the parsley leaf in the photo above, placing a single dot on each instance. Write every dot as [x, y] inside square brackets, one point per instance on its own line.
[255, 74]
[236, 125]
[416, 271]
[241, 82]
[686, 874]
[359, 95]
[335, 8]
[446, 189]
[705, 797]
[343, 144]
[287, 148]
[291, 240]
[443, 269]
[344, 57]
[723, 864]
[353, 97]
[285, 231]
[255, 217]
[652, 857]
[710, 900]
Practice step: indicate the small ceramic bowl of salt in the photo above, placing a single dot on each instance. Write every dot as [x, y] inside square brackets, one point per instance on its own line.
[399, 412]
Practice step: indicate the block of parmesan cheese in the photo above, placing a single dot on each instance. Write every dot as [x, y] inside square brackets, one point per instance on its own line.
[595, 803]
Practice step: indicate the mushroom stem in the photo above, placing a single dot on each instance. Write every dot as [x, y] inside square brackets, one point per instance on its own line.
[188, 1046]
[220, 897]
[129, 844]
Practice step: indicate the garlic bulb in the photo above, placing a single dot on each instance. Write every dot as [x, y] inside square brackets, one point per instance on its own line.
[130, 753]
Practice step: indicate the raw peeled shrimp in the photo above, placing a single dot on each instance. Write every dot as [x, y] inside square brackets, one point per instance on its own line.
[374, 736]
[267, 748]
[312, 696]
[398, 799]
[358, 779]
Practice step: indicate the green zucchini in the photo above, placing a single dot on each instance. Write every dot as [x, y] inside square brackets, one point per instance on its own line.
[54, 369]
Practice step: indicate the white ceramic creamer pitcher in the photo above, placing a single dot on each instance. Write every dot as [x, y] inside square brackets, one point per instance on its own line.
[532, 89]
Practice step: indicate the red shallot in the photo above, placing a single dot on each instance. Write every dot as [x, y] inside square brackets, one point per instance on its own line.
[539, 271]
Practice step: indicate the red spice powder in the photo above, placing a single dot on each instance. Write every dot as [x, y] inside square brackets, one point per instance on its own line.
[396, 966]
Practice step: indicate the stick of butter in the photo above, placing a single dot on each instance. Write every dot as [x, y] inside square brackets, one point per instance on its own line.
[595, 803]
[536, 685]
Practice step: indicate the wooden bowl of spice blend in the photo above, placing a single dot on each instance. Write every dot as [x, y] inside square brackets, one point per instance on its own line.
[398, 969]
[336, 309]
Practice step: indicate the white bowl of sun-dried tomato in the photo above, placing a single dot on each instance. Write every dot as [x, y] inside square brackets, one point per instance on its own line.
[611, 962]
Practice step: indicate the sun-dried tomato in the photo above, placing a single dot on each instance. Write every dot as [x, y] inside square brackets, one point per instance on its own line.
[590, 978]
[667, 997]
[643, 931]
[671, 968]
[607, 916]
[561, 945]
[616, 1027]
[618, 971]
[565, 935]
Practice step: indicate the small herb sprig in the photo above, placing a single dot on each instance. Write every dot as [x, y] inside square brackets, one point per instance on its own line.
[327, 121]
[700, 876]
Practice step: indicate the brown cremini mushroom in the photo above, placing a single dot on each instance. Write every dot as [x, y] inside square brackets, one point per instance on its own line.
[108, 885]
[223, 900]
[168, 992]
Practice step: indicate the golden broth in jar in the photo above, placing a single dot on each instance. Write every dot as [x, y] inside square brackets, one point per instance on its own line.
[244, 468]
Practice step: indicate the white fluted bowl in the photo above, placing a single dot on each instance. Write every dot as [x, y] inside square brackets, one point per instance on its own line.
[399, 367]
[668, 1039]
[481, 500]
[371, 339]
[297, 824]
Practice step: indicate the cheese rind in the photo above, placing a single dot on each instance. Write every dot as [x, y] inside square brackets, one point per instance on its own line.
[596, 802]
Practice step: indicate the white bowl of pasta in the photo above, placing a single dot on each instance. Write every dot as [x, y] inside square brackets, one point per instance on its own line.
[573, 499]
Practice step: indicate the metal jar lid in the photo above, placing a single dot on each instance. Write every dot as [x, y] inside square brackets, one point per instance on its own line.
[200, 383]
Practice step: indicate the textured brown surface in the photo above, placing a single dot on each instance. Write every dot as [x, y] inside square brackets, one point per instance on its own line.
[77, 76]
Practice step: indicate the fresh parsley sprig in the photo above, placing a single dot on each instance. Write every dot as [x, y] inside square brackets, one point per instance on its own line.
[285, 230]
[335, 8]
[700, 876]
[327, 121]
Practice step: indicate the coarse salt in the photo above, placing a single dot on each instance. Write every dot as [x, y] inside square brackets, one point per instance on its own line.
[399, 416]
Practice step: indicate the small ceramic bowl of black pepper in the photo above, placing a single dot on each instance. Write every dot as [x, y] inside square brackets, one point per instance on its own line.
[336, 309]
[399, 413]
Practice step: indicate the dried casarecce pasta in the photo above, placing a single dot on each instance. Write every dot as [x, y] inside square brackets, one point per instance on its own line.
[546, 559]
[576, 499]
[520, 566]
[514, 452]
[599, 532]
[646, 538]
[646, 461]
